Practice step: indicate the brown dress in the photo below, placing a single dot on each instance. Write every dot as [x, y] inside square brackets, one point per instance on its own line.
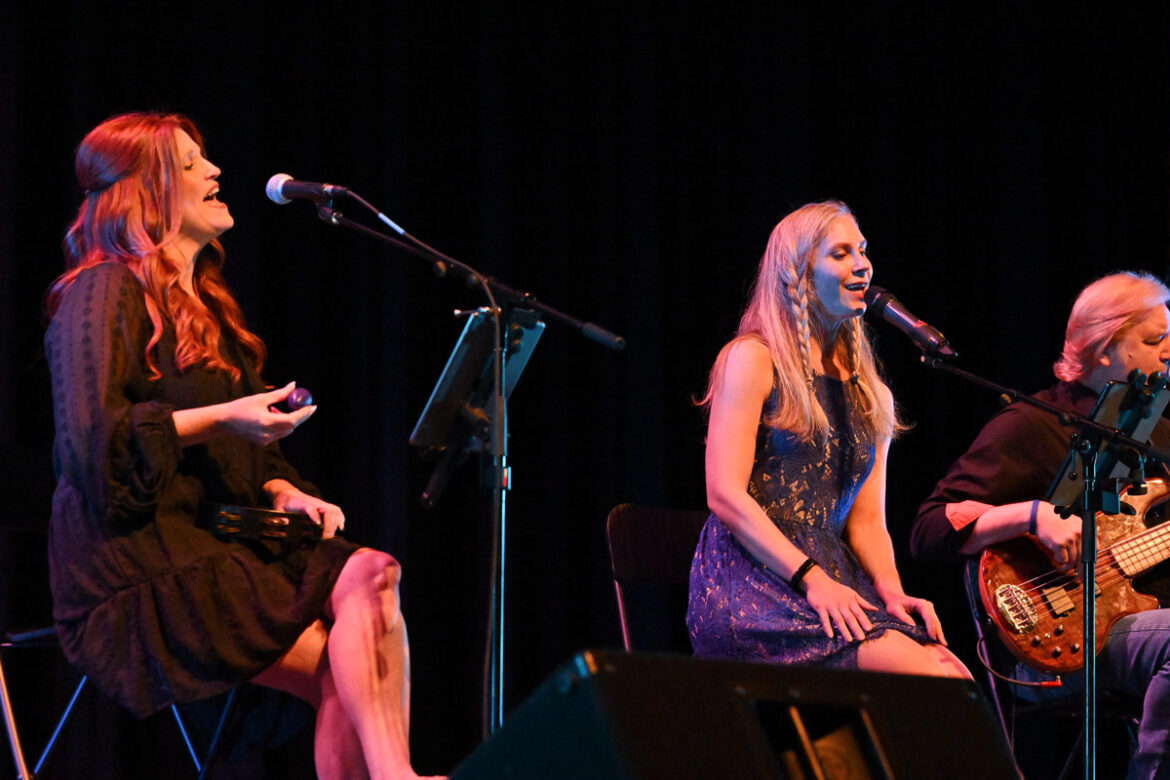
[152, 607]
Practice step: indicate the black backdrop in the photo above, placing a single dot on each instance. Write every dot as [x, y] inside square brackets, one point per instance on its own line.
[625, 162]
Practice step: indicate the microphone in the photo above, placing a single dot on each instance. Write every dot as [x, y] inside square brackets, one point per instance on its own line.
[282, 188]
[926, 338]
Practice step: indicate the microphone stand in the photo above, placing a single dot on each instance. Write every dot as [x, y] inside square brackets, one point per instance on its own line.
[493, 686]
[1086, 444]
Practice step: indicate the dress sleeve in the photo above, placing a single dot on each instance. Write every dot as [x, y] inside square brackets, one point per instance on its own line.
[275, 466]
[114, 444]
[1013, 459]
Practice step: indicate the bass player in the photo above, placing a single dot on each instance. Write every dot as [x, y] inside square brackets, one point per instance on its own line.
[1118, 323]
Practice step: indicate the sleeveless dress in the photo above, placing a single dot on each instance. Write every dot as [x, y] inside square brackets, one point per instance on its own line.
[152, 607]
[741, 609]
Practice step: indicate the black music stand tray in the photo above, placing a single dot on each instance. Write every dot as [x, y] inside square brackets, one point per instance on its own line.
[457, 418]
[1120, 407]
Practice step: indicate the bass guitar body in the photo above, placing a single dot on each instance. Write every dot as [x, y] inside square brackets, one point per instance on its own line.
[1039, 610]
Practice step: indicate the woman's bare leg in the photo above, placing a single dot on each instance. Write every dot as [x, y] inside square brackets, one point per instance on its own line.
[337, 749]
[369, 660]
[356, 674]
[899, 654]
[304, 672]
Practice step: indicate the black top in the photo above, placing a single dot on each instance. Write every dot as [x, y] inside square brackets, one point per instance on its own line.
[153, 608]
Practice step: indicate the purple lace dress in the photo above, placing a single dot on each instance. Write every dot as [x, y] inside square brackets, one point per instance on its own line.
[741, 609]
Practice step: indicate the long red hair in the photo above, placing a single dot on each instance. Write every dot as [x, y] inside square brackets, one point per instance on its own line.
[128, 167]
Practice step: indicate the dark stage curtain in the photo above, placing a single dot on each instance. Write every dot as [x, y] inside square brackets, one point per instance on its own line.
[624, 162]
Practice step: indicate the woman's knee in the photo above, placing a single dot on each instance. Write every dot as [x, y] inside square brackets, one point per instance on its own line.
[899, 654]
[948, 662]
[370, 577]
[371, 569]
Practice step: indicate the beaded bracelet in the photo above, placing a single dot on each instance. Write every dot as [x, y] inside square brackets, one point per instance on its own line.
[1032, 518]
[798, 575]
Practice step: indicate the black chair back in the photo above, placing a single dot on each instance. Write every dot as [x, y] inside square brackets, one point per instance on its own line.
[650, 551]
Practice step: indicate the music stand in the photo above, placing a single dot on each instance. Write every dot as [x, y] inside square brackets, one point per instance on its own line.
[1129, 409]
[457, 418]
[471, 416]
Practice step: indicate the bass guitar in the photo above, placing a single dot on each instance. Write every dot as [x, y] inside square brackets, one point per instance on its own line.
[1037, 607]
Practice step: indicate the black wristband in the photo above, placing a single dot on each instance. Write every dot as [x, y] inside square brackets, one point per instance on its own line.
[798, 575]
[1032, 518]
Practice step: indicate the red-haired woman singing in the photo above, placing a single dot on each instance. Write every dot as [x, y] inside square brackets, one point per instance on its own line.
[160, 410]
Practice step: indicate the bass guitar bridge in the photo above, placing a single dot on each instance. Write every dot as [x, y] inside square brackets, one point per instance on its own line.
[1016, 608]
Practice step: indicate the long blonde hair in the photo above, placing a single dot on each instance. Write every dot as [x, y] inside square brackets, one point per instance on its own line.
[785, 315]
[128, 167]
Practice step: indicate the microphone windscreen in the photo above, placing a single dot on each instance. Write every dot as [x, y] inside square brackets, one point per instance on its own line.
[273, 187]
[876, 297]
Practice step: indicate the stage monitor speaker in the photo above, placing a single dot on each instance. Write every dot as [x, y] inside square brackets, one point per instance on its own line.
[606, 715]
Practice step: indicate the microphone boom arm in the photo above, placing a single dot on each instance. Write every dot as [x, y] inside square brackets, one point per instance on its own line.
[444, 264]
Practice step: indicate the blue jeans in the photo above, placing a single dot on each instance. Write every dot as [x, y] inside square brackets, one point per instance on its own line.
[1135, 661]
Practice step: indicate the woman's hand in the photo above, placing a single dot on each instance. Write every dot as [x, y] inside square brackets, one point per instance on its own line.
[255, 418]
[287, 498]
[837, 605]
[904, 607]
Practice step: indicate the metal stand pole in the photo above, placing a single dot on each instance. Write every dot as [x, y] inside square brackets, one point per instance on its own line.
[1092, 502]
